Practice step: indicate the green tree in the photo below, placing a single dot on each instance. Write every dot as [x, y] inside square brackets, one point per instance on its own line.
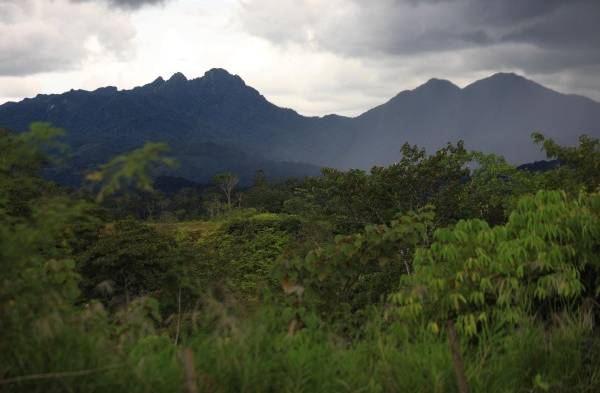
[260, 180]
[353, 199]
[22, 157]
[493, 188]
[129, 259]
[342, 280]
[578, 165]
[40, 230]
[474, 276]
[241, 251]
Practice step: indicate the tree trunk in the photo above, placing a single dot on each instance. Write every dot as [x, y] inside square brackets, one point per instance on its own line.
[459, 367]
[228, 194]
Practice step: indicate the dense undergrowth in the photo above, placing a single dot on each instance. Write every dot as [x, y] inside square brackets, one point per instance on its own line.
[424, 276]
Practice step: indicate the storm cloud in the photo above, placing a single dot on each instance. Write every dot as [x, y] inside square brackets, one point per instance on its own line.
[36, 37]
[410, 27]
[127, 4]
[345, 56]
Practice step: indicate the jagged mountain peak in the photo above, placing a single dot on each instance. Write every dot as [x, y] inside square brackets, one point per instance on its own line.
[106, 90]
[496, 114]
[218, 73]
[158, 81]
[220, 76]
[177, 77]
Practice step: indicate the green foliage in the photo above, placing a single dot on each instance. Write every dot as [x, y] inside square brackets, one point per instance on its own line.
[185, 204]
[536, 358]
[131, 169]
[344, 279]
[90, 303]
[241, 252]
[262, 358]
[22, 157]
[39, 323]
[129, 259]
[37, 282]
[354, 199]
[472, 274]
[45, 336]
[267, 197]
[579, 166]
[136, 204]
[26, 153]
[494, 187]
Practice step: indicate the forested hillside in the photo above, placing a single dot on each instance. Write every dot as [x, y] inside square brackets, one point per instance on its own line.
[218, 123]
[447, 271]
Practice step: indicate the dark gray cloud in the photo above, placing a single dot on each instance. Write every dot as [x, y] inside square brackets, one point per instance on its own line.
[409, 27]
[128, 4]
[405, 42]
[575, 25]
[35, 38]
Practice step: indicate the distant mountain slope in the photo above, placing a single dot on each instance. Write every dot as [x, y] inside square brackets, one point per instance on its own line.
[496, 114]
[213, 123]
[217, 122]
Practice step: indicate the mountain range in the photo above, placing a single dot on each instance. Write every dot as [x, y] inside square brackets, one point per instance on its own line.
[217, 122]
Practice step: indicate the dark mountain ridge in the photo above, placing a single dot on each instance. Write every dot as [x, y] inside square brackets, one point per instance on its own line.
[217, 122]
[496, 115]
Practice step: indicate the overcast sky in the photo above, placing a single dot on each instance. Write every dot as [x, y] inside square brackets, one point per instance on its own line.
[315, 56]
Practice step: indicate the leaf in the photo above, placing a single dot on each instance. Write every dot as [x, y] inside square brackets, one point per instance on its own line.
[131, 169]
[540, 383]
[434, 327]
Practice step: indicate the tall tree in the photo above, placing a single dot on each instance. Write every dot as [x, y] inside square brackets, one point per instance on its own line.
[227, 182]
[579, 165]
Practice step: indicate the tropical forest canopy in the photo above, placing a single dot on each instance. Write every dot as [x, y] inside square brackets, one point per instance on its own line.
[446, 271]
